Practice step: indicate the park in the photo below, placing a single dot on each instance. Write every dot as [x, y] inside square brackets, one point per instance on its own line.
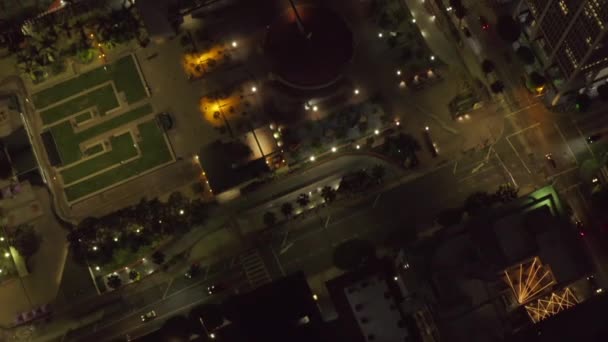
[99, 130]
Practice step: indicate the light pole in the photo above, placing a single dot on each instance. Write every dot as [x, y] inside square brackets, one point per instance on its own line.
[299, 20]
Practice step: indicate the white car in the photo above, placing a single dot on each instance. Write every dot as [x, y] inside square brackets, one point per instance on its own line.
[148, 316]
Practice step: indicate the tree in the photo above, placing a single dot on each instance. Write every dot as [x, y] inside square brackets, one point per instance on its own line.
[487, 66]
[270, 219]
[378, 172]
[602, 92]
[536, 80]
[25, 240]
[158, 257]
[525, 54]
[402, 147]
[505, 193]
[449, 217]
[477, 202]
[328, 193]
[497, 87]
[459, 10]
[582, 102]
[134, 275]
[287, 209]
[303, 200]
[508, 29]
[354, 253]
[197, 212]
[114, 281]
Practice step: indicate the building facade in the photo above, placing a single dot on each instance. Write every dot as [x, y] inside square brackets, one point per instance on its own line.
[569, 37]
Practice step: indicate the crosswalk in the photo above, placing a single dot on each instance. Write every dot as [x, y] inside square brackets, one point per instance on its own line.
[255, 269]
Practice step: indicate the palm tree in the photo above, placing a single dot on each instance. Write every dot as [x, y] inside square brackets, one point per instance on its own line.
[328, 194]
[270, 219]
[287, 210]
[303, 200]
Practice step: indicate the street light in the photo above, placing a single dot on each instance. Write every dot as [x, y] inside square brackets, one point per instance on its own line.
[358, 147]
[376, 132]
[398, 72]
[380, 34]
[234, 43]
[356, 91]
[315, 108]
[312, 158]
[254, 89]
[413, 21]
[432, 58]
[181, 211]
[334, 149]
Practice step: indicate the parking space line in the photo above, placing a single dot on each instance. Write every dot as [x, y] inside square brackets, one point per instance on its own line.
[561, 134]
[518, 156]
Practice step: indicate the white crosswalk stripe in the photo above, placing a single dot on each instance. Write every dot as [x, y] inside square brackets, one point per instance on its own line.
[254, 267]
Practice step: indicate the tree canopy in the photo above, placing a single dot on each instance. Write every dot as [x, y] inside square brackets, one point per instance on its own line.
[508, 29]
[25, 240]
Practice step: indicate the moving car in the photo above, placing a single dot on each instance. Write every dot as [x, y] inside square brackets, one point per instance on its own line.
[150, 315]
[594, 137]
[549, 158]
[429, 141]
[215, 288]
[193, 271]
[483, 21]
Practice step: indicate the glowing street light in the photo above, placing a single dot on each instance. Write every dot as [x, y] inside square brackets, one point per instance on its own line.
[334, 149]
[97, 268]
[315, 297]
[181, 211]
[234, 43]
[432, 58]
[312, 158]
[1, 238]
[358, 147]
[212, 336]
[380, 34]
[413, 21]
[398, 72]
[315, 108]
[7, 254]
[254, 89]
[376, 132]
[115, 239]
[356, 91]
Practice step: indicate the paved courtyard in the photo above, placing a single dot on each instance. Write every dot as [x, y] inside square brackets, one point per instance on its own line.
[100, 130]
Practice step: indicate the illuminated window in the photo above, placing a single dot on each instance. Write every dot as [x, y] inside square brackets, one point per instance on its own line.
[563, 7]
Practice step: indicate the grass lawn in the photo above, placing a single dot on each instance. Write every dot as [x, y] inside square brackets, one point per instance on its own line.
[154, 152]
[83, 117]
[123, 72]
[122, 149]
[103, 98]
[68, 142]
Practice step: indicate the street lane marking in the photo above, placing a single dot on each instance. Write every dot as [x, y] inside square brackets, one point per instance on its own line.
[565, 142]
[455, 166]
[168, 287]
[518, 156]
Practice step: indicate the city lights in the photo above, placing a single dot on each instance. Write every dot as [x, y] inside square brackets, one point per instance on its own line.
[254, 89]
[334, 149]
[380, 34]
[315, 108]
[312, 158]
[358, 147]
[356, 91]
[181, 211]
[234, 43]
[376, 132]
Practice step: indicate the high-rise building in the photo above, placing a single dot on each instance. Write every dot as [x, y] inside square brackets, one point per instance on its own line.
[570, 40]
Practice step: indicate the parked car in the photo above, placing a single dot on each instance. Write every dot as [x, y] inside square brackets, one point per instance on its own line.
[483, 21]
[150, 315]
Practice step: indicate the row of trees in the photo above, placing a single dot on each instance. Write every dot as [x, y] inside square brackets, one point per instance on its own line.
[49, 41]
[476, 204]
[95, 240]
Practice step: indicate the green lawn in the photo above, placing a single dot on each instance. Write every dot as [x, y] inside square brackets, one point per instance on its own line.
[67, 141]
[83, 117]
[122, 149]
[154, 150]
[103, 98]
[123, 72]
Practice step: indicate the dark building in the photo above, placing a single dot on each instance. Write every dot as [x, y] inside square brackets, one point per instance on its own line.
[570, 40]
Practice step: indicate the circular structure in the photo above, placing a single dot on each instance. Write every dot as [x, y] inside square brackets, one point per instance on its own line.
[311, 55]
